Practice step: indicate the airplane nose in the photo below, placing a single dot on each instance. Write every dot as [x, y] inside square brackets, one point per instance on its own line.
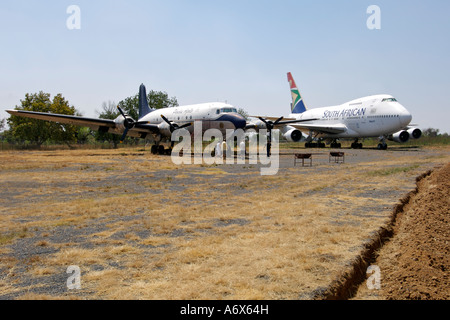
[405, 117]
[236, 119]
[239, 121]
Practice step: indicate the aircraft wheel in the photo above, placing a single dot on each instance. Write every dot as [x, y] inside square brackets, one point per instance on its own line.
[336, 145]
[161, 150]
[154, 149]
[382, 146]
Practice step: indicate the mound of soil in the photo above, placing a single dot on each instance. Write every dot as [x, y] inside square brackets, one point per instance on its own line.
[415, 263]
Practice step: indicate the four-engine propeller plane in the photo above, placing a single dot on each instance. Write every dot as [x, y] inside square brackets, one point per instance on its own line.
[157, 123]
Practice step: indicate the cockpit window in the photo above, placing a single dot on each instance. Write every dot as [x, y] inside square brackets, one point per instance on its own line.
[228, 110]
[389, 100]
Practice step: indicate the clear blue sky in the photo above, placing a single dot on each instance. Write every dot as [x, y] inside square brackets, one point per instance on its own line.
[235, 51]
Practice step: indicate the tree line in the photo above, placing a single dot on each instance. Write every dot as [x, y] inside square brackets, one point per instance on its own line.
[26, 131]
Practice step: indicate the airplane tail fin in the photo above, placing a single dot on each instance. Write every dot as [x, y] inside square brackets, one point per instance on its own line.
[297, 105]
[144, 109]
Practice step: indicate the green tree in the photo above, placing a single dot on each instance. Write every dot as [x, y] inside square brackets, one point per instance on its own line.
[243, 113]
[160, 100]
[431, 132]
[156, 100]
[109, 111]
[84, 135]
[39, 131]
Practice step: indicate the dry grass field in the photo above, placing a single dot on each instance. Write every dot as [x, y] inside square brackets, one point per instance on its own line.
[140, 227]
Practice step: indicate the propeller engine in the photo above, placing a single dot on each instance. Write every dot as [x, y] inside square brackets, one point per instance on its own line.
[128, 123]
[174, 126]
[269, 126]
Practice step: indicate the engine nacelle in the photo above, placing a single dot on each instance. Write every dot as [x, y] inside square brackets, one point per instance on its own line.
[401, 136]
[164, 129]
[258, 125]
[120, 123]
[123, 123]
[415, 133]
[293, 135]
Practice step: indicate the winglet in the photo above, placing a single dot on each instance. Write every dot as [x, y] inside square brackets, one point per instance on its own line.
[144, 109]
[297, 106]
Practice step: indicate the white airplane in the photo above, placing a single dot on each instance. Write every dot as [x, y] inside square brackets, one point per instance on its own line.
[379, 116]
[158, 123]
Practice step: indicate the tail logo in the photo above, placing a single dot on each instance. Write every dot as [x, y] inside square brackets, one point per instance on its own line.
[298, 106]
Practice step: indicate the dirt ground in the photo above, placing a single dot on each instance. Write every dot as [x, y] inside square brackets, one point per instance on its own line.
[415, 263]
[140, 227]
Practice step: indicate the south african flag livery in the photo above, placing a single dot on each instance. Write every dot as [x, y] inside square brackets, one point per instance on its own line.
[297, 106]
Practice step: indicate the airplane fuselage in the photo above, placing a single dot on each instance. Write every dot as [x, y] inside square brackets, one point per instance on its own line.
[366, 117]
[215, 115]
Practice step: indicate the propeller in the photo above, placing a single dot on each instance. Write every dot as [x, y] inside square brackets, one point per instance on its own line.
[270, 125]
[129, 123]
[174, 126]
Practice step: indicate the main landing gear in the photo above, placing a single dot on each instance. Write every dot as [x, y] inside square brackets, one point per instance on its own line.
[382, 145]
[159, 149]
[356, 144]
[335, 145]
[319, 144]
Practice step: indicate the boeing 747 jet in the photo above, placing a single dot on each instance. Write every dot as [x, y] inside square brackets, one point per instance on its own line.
[380, 116]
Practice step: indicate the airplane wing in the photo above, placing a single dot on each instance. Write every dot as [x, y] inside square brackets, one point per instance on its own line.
[329, 129]
[275, 118]
[278, 122]
[103, 125]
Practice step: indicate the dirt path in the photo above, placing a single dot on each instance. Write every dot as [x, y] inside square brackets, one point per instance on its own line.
[415, 263]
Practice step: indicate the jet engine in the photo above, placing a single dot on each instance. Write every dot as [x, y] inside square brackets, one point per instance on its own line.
[415, 133]
[401, 136]
[293, 135]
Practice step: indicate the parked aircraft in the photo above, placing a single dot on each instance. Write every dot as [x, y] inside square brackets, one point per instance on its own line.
[380, 116]
[157, 123]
